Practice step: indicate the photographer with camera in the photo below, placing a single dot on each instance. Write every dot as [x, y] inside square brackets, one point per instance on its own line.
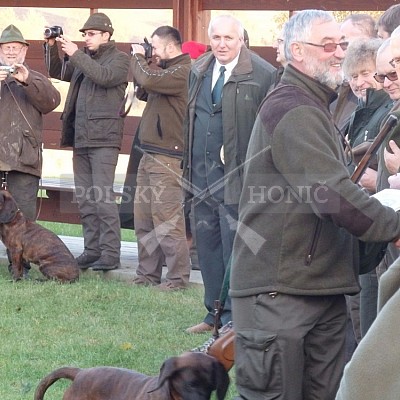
[158, 211]
[92, 126]
[24, 97]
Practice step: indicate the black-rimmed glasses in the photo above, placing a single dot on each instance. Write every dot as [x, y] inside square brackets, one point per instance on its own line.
[392, 76]
[330, 47]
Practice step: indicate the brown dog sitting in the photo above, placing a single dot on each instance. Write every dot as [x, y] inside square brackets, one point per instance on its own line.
[28, 241]
[191, 376]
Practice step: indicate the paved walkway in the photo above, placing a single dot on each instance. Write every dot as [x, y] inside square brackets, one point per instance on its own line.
[129, 260]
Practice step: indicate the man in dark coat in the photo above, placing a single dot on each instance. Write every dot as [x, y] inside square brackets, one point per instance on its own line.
[217, 133]
[92, 126]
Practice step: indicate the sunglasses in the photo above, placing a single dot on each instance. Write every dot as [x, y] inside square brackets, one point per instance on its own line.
[330, 47]
[392, 76]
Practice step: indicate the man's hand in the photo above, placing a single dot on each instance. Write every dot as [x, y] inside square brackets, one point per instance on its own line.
[394, 181]
[3, 75]
[392, 161]
[137, 48]
[21, 73]
[368, 180]
[67, 46]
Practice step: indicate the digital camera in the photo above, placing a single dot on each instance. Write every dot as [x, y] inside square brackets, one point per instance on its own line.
[52, 32]
[9, 68]
[148, 48]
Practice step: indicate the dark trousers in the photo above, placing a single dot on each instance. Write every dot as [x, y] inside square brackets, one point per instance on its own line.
[289, 347]
[24, 188]
[215, 230]
[368, 300]
[94, 172]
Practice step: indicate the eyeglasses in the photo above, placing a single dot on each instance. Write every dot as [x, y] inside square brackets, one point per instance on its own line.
[279, 41]
[11, 49]
[91, 34]
[330, 47]
[392, 76]
[394, 62]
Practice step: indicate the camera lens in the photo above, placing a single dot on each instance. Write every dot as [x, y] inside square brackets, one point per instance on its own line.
[47, 33]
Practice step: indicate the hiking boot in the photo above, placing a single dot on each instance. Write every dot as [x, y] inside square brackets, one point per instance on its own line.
[106, 263]
[86, 260]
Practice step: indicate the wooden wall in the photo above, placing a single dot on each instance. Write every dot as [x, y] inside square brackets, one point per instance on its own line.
[191, 17]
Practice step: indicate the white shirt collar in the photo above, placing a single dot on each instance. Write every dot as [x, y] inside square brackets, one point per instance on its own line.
[229, 67]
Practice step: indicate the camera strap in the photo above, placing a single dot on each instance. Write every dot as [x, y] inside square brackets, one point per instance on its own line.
[128, 100]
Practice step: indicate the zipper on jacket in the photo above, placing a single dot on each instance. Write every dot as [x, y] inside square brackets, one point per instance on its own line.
[314, 242]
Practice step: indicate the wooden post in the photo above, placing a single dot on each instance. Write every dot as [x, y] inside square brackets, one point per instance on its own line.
[191, 20]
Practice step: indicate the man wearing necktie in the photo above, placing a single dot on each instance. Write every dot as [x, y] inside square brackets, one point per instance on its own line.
[226, 87]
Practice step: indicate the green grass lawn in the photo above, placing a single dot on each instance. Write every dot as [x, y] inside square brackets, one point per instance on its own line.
[127, 235]
[46, 325]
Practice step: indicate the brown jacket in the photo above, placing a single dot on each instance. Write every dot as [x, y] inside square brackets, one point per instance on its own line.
[21, 108]
[161, 127]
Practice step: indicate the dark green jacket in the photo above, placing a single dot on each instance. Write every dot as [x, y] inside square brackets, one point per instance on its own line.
[242, 94]
[366, 119]
[299, 212]
[97, 88]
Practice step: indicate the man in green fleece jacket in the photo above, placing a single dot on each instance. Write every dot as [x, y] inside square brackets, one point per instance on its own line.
[300, 217]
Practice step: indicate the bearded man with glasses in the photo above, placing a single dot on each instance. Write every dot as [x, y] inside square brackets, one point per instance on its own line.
[288, 303]
[92, 126]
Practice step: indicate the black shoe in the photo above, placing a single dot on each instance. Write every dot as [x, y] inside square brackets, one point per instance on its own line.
[106, 263]
[86, 260]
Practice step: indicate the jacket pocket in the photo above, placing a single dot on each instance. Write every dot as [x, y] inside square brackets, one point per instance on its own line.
[314, 241]
[29, 154]
[258, 363]
[103, 126]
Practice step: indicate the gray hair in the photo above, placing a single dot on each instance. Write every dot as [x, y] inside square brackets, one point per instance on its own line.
[219, 18]
[364, 22]
[298, 28]
[359, 53]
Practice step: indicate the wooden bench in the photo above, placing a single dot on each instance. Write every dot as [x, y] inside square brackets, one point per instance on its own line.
[57, 201]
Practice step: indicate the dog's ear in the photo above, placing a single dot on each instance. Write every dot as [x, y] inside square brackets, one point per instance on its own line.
[166, 371]
[8, 207]
[221, 378]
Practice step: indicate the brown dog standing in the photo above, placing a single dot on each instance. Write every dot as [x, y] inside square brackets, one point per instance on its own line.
[27, 240]
[191, 376]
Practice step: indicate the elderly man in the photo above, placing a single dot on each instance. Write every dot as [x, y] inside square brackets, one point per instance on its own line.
[374, 103]
[298, 199]
[24, 97]
[226, 87]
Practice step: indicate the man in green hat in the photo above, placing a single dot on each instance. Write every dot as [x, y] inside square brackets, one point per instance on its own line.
[24, 97]
[92, 126]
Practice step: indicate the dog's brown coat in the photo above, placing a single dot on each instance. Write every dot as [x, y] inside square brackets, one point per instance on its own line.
[29, 241]
[191, 376]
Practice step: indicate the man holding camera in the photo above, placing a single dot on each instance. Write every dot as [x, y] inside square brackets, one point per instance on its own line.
[158, 211]
[24, 97]
[92, 126]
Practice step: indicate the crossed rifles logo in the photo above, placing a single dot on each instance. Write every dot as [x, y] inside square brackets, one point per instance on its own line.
[251, 238]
